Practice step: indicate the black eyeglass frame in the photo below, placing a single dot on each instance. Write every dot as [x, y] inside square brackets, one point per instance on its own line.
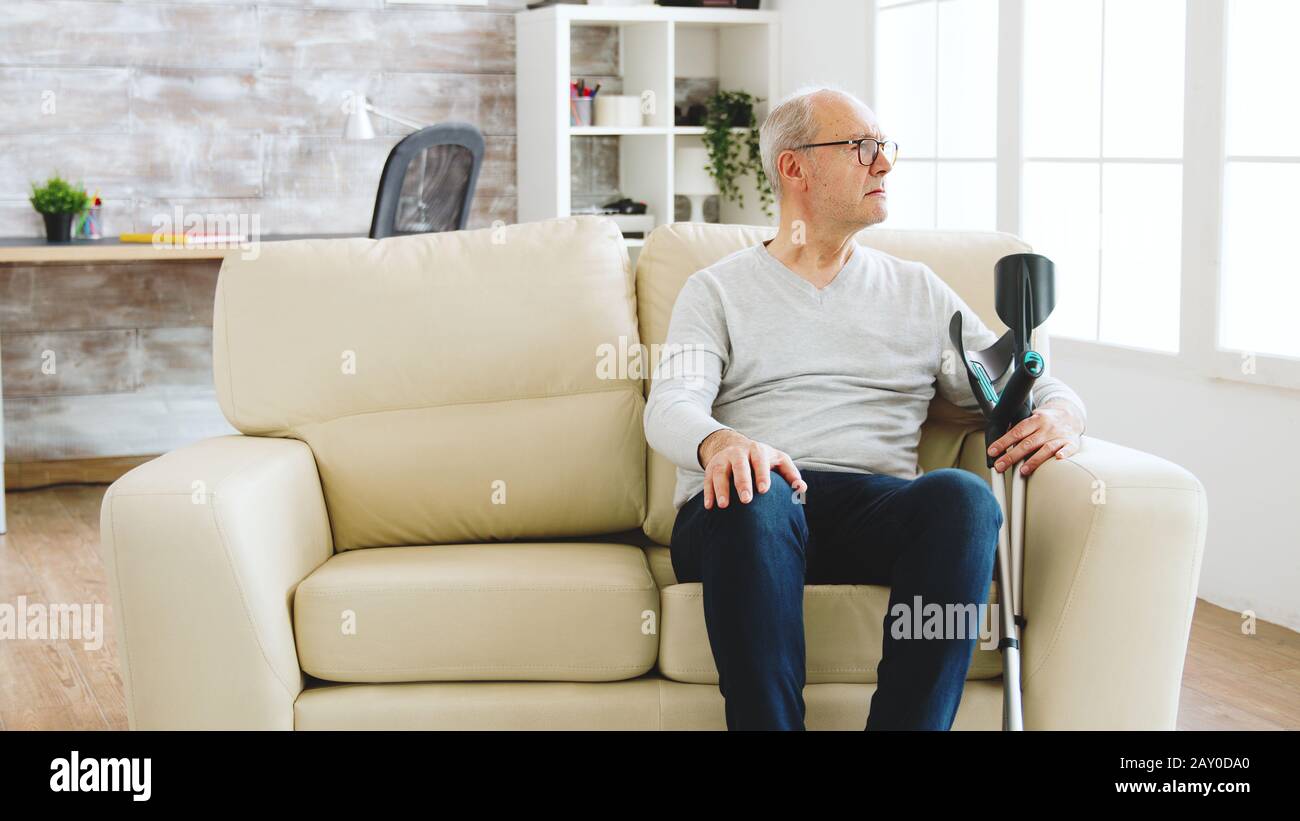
[879, 145]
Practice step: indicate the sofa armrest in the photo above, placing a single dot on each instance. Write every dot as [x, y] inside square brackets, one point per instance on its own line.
[1113, 544]
[204, 548]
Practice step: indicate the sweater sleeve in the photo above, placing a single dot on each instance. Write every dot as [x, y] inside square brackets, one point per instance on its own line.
[686, 378]
[953, 384]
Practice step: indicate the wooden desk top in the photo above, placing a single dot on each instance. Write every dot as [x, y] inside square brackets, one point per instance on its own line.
[37, 249]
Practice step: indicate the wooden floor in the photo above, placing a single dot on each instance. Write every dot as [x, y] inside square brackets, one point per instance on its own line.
[1231, 680]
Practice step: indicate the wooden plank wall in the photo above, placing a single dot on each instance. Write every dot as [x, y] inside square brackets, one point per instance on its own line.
[217, 108]
[238, 106]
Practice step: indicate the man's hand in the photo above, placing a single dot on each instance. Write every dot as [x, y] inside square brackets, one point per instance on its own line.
[725, 454]
[1054, 428]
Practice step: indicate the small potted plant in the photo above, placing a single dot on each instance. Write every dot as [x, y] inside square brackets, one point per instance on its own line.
[731, 137]
[59, 203]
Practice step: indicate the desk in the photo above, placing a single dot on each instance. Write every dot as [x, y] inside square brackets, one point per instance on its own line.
[128, 328]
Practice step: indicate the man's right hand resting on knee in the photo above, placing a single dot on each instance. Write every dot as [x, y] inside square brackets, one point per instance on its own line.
[727, 455]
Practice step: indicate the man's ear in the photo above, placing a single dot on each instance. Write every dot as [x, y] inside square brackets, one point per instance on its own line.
[791, 168]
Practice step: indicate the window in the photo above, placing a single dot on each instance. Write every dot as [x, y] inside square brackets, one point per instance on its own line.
[936, 75]
[1102, 176]
[1260, 278]
[1150, 148]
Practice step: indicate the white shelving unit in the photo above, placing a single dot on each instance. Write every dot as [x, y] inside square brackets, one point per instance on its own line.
[657, 44]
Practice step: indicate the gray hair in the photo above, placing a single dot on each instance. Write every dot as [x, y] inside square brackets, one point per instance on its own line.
[790, 124]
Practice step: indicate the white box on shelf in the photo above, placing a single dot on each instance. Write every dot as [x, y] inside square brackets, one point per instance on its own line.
[619, 111]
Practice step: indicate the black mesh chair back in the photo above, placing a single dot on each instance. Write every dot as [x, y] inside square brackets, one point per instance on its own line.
[428, 181]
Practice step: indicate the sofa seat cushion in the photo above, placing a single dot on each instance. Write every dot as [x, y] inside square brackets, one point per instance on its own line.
[843, 629]
[558, 611]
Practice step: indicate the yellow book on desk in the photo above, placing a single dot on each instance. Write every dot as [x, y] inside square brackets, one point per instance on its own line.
[184, 239]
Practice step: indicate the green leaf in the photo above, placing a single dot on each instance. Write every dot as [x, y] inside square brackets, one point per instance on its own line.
[57, 196]
[732, 155]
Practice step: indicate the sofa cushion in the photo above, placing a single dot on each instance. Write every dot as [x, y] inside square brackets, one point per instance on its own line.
[449, 385]
[843, 628]
[556, 611]
[964, 259]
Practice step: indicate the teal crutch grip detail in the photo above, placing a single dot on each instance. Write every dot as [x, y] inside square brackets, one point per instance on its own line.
[1033, 363]
[986, 384]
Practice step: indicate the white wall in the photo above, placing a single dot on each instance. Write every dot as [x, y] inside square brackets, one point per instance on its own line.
[1241, 440]
[824, 41]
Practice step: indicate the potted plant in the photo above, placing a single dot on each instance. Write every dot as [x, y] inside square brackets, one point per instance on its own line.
[731, 137]
[58, 202]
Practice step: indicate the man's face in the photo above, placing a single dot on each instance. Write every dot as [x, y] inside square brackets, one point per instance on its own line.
[840, 188]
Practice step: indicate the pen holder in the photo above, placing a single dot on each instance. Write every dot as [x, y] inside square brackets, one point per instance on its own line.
[579, 111]
[94, 226]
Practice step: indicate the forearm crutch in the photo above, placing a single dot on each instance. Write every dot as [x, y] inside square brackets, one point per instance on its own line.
[1024, 288]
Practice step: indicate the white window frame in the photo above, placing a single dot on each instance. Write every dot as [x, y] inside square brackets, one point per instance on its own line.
[1205, 138]
[1204, 141]
[935, 158]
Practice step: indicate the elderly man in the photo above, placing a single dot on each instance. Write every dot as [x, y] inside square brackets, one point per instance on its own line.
[792, 402]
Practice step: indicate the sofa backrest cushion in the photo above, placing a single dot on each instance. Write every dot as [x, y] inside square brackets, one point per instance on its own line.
[964, 259]
[448, 384]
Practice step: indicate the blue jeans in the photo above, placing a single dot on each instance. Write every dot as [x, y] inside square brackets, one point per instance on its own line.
[934, 536]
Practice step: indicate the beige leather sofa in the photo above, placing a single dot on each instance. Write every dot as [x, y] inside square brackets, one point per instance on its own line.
[442, 512]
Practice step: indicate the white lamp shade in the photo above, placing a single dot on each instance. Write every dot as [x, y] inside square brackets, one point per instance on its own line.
[358, 126]
[690, 172]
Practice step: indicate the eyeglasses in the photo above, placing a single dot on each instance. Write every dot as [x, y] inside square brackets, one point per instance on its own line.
[890, 148]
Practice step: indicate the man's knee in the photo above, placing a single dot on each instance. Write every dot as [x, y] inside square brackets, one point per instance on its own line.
[961, 494]
[779, 498]
[770, 520]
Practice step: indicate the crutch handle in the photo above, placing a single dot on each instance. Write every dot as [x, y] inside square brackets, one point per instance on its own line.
[1011, 404]
[1014, 403]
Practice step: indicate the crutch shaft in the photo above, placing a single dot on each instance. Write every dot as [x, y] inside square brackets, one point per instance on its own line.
[1016, 589]
[1009, 642]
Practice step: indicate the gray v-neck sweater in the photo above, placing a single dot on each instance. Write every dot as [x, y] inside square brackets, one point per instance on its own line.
[840, 378]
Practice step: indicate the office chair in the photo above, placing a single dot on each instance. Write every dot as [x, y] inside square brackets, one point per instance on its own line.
[428, 181]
